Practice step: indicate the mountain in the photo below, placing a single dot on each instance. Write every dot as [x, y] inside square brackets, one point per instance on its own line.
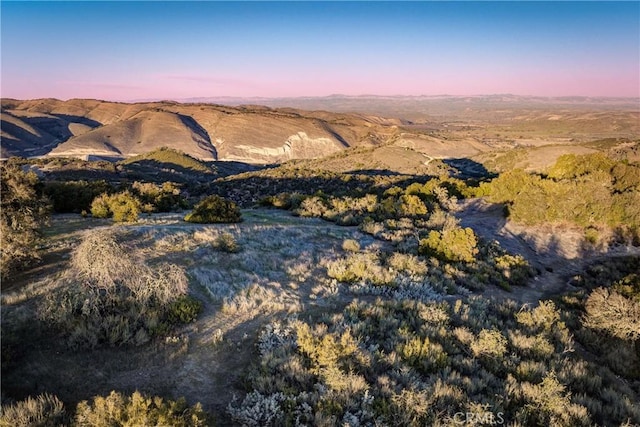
[253, 134]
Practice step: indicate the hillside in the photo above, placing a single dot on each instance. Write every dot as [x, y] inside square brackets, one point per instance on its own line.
[252, 134]
[436, 127]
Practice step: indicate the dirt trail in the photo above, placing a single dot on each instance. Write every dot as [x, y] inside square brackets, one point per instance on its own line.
[556, 252]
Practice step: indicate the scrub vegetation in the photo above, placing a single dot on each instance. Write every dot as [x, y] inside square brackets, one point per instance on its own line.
[300, 296]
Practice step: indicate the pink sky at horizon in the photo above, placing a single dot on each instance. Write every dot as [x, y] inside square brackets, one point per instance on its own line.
[193, 86]
[166, 50]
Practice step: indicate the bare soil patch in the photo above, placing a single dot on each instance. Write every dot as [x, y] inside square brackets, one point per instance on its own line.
[557, 252]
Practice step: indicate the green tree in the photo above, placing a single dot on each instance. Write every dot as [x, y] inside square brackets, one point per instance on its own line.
[23, 212]
[74, 196]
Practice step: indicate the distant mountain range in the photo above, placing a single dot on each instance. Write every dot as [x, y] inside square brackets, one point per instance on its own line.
[437, 106]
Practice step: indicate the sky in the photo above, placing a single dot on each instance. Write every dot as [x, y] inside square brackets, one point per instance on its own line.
[177, 50]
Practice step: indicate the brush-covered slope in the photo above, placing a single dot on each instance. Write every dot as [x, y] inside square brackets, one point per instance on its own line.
[539, 159]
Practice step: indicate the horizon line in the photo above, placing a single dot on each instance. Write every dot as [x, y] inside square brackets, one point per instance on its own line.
[194, 99]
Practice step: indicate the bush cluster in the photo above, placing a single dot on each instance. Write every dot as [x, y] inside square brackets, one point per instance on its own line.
[214, 209]
[138, 410]
[44, 410]
[159, 198]
[78, 196]
[415, 201]
[589, 191]
[75, 196]
[413, 363]
[417, 220]
[122, 206]
[108, 297]
[113, 410]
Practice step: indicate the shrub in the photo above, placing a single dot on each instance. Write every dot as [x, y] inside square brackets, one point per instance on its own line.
[44, 410]
[613, 313]
[542, 318]
[312, 207]
[100, 206]
[161, 198]
[184, 310]
[410, 206]
[283, 200]
[22, 212]
[257, 410]
[123, 207]
[407, 263]
[514, 268]
[214, 209]
[489, 343]
[109, 296]
[225, 242]
[455, 244]
[549, 404]
[629, 286]
[423, 354]
[138, 410]
[360, 267]
[351, 245]
[330, 356]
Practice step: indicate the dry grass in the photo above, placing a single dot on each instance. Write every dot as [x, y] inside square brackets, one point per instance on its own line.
[110, 295]
[43, 410]
[412, 355]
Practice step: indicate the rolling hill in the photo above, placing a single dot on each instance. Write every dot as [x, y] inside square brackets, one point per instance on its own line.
[439, 128]
[253, 134]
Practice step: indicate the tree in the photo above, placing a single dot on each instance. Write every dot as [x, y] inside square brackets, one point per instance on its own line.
[23, 212]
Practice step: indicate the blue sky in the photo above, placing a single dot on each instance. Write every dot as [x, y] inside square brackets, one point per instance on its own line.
[173, 50]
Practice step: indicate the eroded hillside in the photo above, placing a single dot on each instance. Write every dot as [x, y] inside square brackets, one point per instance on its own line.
[451, 127]
[88, 128]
